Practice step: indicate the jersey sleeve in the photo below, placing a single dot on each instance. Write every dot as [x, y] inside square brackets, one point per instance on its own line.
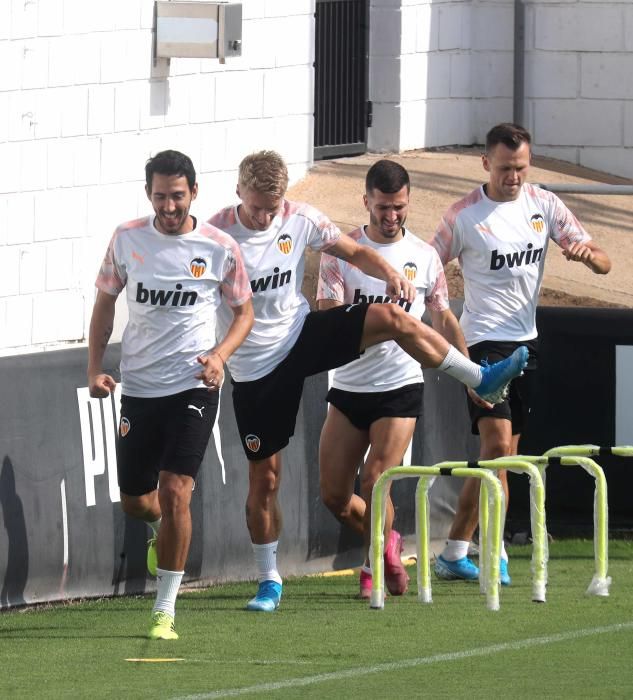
[112, 276]
[565, 229]
[446, 240]
[235, 285]
[323, 233]
[437, 297]
[331, 284]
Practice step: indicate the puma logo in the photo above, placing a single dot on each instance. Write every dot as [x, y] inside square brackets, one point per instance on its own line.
[195, 408]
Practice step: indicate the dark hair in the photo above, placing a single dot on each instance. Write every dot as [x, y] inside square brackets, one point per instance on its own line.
[510, 135]
[387, 176]
[170, 163]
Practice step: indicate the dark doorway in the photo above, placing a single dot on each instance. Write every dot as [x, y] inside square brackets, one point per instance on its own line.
[342, 112]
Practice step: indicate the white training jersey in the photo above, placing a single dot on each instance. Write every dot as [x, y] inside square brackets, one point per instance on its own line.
[501, 247]
[275, 261]
[174, 286]
[384, 366]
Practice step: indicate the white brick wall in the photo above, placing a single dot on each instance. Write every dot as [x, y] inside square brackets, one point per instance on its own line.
[82, 108]
[429, 57]
[579, 84]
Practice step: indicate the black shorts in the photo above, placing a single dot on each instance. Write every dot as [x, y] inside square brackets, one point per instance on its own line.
[364, 408]
[168, 433]
[516, 407]
[266, 408]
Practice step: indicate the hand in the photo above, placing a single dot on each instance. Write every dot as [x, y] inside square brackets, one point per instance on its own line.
[100, 385]
[578, 252]
[477, 400]
[399, 287]
[212, 374]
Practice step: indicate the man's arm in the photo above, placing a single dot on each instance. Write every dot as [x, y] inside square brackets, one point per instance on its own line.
[373, 264]
[324, 304]
[212, 372]
[101, 324]
[446, 324]
[590, 255]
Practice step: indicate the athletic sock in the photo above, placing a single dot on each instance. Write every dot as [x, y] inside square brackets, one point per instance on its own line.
[460, 367]
[154, 524]
[455, 549]
[504, 554]
[168, 585]
[266, 562]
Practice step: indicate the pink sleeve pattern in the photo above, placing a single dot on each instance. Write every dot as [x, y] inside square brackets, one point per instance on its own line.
[442, 241]
[331, 284]
[236, 287]
[325, 232]
[224, 218]
[109, 279]
[437, 298]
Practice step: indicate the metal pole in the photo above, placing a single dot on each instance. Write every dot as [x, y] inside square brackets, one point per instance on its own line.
[588, 189]
[518, 114]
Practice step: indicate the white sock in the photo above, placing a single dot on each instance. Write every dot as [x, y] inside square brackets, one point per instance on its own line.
[504, 554]
[168, 585]
[460, 367]
[455, 549]
[266, 562]
[154, 524]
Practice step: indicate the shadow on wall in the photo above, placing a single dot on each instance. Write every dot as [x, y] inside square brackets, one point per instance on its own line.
[17, 569]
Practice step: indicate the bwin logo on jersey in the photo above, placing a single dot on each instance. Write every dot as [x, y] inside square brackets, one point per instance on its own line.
[515, 259]
[284, 243]
[410, 270]
[165, 297]
[360, 298]
[198, 267]
[124, 427]
[277, 279]
[538, 223]
[252, 442]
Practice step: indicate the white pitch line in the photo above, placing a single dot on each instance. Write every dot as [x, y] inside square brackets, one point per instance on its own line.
[408, 663]
[64, 521]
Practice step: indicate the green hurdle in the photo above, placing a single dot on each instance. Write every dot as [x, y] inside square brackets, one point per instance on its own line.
[491, 493]
[540, 550]
[572, 455]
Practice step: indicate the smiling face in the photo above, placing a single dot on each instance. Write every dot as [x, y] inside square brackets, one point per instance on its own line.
[258, 209]
[387, 214]
[508, 170]
[171, 200]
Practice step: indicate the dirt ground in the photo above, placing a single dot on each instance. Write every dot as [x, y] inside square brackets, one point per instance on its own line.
[441, 176]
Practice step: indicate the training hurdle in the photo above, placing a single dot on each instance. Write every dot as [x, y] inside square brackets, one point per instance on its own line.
[537, 522]
[491, 492]
[576, 455]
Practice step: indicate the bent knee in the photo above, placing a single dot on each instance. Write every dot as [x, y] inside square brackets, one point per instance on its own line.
[390, 318]
[336, 503]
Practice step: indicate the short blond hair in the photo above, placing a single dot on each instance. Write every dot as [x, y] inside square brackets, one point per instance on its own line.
[265, 172]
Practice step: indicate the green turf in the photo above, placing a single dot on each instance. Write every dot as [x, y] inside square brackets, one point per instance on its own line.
[79, 650]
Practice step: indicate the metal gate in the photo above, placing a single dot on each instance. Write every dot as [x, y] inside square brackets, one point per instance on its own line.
[342, 111]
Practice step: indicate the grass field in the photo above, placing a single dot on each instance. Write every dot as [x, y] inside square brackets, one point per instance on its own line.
[325, 643]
